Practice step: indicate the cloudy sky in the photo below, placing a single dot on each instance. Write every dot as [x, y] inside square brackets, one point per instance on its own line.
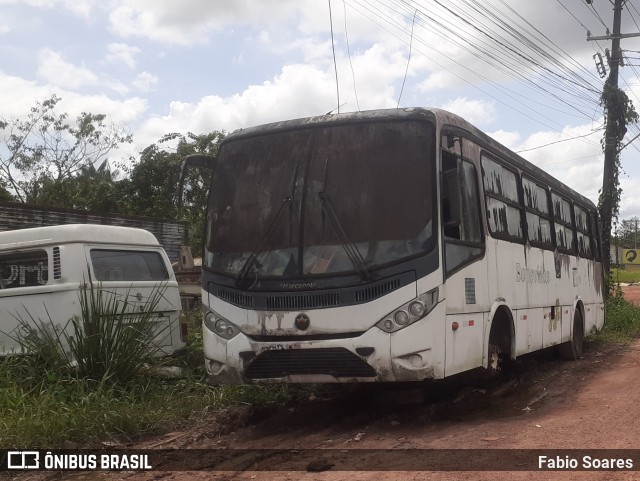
[522, 71]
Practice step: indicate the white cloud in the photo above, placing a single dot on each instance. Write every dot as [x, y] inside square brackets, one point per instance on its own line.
[630, 202]
[57, 71]
[4, 28]
[477, 112]
[190, 21]
[193, 21]
[81, 8]
[506, 138]
[122, 53]
[145, 81]
[298, 91]
[18, 95]
[118, 86]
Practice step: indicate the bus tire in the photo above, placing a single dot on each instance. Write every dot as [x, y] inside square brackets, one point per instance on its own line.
[572, 350]
[499, 348]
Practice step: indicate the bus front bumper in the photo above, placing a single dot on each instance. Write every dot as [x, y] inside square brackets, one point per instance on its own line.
[374, 356]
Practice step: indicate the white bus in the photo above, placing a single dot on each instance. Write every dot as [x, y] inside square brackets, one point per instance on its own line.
[43, 269]
[389, 245]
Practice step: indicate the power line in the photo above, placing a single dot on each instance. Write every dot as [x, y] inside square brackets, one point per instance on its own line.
[335, 65]
[597, 15]
[408, 58]
[565, 94]
[561, 140]
[346, 36]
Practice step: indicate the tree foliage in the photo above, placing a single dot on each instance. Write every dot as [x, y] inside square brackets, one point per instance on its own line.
[48, 152]
[48, 159]
[628, 233]
[619, 112]
[152, 186]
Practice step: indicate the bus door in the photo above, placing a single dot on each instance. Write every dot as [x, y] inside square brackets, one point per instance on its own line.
[465, 274]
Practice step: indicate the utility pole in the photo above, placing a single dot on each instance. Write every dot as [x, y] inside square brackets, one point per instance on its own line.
[610, 172]
[610, 146]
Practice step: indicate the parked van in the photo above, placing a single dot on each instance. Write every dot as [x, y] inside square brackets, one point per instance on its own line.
[43, 269]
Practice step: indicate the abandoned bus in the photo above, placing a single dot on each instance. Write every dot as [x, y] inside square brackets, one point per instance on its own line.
[389, 245]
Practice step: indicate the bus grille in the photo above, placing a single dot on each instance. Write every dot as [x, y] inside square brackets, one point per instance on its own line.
[308, 301]
[235, 297]
[313, 299]
[377, 290]
[334, 361]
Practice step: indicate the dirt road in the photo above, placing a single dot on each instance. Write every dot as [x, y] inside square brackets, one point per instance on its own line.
[591, 403]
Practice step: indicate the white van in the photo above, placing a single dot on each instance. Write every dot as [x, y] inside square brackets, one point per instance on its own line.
[42, 270]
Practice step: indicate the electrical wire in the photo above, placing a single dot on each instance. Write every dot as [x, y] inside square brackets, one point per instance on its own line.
[346, 36]
[564, 84]
[333, 48]
[406, 71]
[561, 140]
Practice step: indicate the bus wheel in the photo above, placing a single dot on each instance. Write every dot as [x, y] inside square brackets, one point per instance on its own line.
[499, 349]
[572, 350]
[494, 360]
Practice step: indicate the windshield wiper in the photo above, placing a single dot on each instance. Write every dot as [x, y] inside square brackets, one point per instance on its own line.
[350, 248]
[353, 253]
[266, 234]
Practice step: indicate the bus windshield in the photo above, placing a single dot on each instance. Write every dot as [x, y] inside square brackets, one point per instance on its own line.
[322, 200]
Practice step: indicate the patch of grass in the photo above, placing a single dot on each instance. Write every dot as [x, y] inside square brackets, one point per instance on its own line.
[626, 276]
[44, 411]
[44, 404]
[622, 322]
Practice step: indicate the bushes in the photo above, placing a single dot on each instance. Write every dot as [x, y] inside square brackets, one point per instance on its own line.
[111, 341]
[96, 390]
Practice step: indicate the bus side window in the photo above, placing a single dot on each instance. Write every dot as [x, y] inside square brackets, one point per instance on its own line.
[461, 225]
[450, 197]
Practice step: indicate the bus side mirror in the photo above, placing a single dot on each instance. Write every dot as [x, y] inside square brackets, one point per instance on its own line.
[194, 160]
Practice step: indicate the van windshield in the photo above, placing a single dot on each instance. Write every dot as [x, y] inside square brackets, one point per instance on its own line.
[124, 265]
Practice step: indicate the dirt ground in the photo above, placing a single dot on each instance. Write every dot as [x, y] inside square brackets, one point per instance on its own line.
[544, 404]
[632, 293]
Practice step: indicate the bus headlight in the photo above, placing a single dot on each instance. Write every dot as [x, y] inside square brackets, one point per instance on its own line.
[410, 312]
[218, 324]
[401, 318]
[416, 309]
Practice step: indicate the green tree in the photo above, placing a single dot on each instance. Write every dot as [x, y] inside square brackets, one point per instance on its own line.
[91, 188]
[628, 234]
[152, 186]
[5, 195]
[46, 150]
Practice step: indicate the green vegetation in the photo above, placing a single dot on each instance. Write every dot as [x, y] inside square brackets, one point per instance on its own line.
[622, 324]
[44, 404]
[111, 341]
[626, 276]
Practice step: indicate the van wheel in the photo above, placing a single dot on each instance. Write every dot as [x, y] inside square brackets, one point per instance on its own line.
[572, 350]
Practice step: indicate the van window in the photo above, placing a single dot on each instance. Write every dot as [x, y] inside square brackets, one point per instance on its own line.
[24, 269]
[123, 265]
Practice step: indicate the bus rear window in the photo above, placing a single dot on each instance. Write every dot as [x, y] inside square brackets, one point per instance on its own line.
[23, 269]
[123, 265]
